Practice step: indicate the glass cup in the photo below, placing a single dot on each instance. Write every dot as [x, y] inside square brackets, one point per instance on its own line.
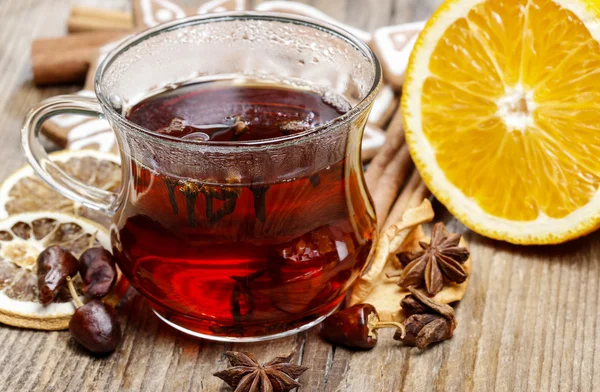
[234, 241]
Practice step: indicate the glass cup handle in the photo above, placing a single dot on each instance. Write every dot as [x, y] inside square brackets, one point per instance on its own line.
[53, 175]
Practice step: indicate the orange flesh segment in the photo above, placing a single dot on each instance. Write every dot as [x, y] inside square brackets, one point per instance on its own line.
[544, 57]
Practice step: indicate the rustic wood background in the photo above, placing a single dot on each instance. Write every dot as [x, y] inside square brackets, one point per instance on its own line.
[530, 319]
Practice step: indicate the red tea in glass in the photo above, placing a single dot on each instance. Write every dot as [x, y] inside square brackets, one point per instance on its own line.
[241, 259]
[243, 213]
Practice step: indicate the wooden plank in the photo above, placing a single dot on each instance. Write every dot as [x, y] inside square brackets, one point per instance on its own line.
[530, 320]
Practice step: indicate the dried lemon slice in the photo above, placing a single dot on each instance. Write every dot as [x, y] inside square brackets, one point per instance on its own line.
[23, 191]
[22, 238]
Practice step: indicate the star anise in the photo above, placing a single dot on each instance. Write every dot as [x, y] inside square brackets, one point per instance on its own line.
[247, 375]
[440, 260]
[427, 322]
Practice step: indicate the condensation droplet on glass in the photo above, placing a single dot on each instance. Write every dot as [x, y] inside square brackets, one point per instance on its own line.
[116, 103]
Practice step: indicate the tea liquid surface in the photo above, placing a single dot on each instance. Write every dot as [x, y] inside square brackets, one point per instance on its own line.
[223, 111]
[241, 260]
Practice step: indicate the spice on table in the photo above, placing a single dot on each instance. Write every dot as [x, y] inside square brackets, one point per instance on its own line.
[374, 287]
[428, 322]
[67, 59]
[247, 375]
[94, 324]
[412, 194]
[54, 265]
[84, 18]
[438, 261]
[356, 327]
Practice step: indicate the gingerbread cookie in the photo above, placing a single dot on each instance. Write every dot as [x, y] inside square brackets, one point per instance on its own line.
[77, 132]
[295, 8]
[150, 13]
[373, 139]
[393, 45]
[384, 107]
[222, 6]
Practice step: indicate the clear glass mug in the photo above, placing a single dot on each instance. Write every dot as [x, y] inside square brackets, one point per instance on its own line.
[234, 241]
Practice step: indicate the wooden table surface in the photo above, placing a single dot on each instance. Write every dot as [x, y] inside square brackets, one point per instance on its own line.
[530, 320]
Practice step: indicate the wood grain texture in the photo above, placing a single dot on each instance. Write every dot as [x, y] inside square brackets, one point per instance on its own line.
[530, 320]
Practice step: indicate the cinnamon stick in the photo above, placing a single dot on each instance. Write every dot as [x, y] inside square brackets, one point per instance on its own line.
[393, 141]
[389, 183]
[412, 194]
[418, 195]
[66, 59]
[84, 19]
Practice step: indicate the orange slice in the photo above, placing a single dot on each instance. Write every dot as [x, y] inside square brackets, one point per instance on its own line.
[502, 111]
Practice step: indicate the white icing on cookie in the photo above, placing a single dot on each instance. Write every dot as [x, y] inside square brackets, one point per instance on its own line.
[67, 120]
[87, 93]
[306, 10]
[222, 6]
[155, 12]
[372, 138]
[105, 141]
[382, 102]
[88, 128]
[395, 47]
[163, 15]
